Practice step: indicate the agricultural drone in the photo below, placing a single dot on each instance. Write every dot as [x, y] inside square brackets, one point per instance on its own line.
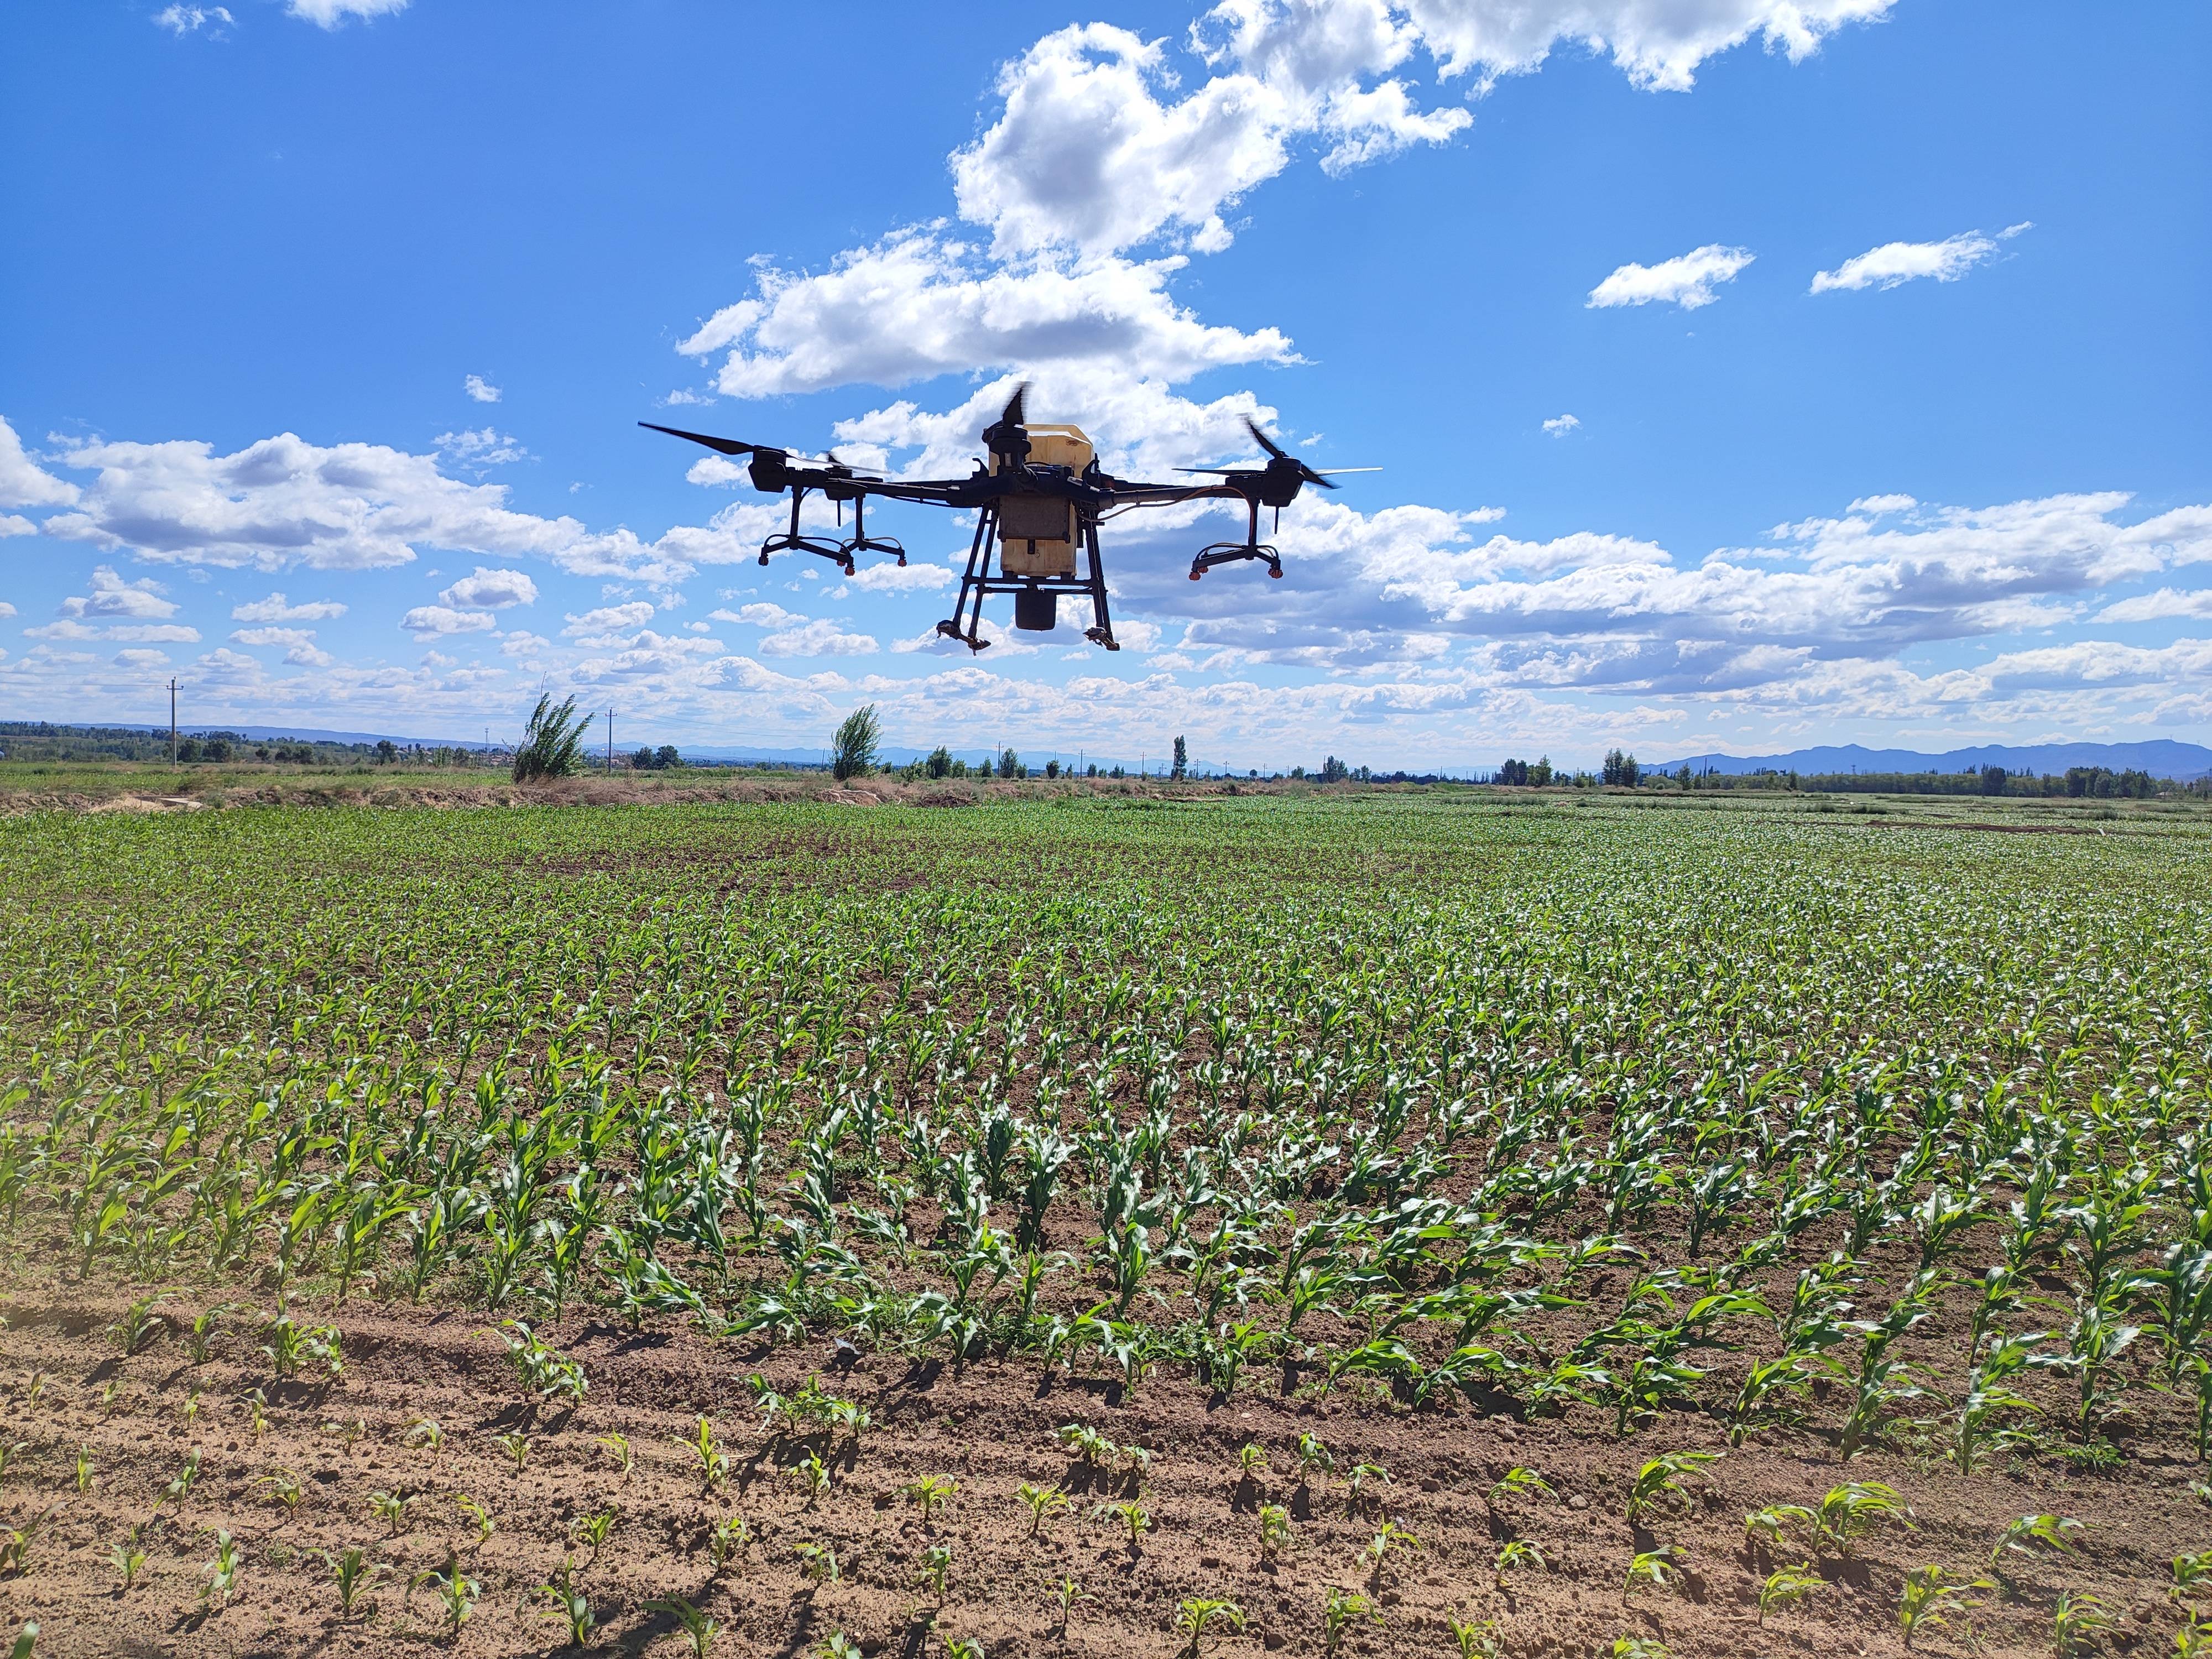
[1040, 498]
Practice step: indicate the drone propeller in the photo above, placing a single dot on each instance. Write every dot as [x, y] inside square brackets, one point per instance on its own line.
[1008, 434]
[1279, 459]
[732, 447]
[725, 446]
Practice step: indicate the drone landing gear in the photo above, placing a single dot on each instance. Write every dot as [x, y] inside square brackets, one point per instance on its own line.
[791, 542]
[1036, 598]
[1250, 548]
[864, 543]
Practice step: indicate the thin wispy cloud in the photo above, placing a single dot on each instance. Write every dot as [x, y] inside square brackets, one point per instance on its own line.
[1896, 263]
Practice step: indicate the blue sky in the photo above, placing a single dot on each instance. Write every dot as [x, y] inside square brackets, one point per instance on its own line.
[1744, 374]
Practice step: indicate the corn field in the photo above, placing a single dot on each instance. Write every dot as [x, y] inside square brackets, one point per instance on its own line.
[1650, 1129]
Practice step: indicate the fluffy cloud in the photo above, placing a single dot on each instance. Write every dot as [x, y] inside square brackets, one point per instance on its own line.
[477, 453]
[609, 619]
[299, 643]
[1085, 158]
[1560, 425]
[480, 389]
[279, 609]
[188, 20]
[1686, 280]
[110, 596]
[919, 305]
[2165, 603]
[818, 638]
[6, 609]
[1893, 263]
[1658, 44]
[284, 502]
[433, 620]
[22, 484]
[490, 590]
[329, 13]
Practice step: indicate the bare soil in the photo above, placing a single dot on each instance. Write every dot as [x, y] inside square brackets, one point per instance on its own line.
[989, 1428]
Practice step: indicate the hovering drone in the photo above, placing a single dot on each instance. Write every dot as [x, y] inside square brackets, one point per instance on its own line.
[1039, 497]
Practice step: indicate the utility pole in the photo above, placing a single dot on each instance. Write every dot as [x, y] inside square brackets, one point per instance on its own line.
[172, 719]
[610, 743]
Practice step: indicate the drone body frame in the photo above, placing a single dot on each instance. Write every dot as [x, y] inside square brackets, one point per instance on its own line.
[1041, 515]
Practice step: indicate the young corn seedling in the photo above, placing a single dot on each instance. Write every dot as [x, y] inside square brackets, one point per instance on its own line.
[15, 1542]
[139, 1325]
[929, 1493]
[1089, 1447]
[516, 1445]
[1477, 1638]
[936, 1565]
[841, 1646]
[1041, 1501]
[424, 1431]
[479, 1518]
[1275, 1531]
[284, 1487]
[1660, 1480]
[617, 1447]
[1251, 1461]
[1662, 1568]
[1196, 1616]
[200, 1339]
[1066, 1596]
[1341, 1610]
[713, 1461]
[84, 1469]
[223, 1572]
[698, 1629]
[1314, 1458]
[727, 1540]
[2077, 1622]
[1388, 1537]
[568, 1606]
[593, 1531]
[1513, 1556]
[1355, 1486]
[390, 1508]
[1785, 1586]
[257, 1412]
[817, 1563]
[128, 1558]
[456, 1591]
[1130, 1513]
[1517, 1483]
[351, 1573]
[812, 1476]
[2030, 1533]
[2192, 1577]
[180, 1484]
[1931, 1597]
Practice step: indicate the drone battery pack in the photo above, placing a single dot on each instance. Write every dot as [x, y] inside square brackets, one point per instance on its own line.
[1036, 609]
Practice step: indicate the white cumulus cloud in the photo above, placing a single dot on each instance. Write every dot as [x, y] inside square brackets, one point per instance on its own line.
[1686, 280]
[491, 590]
[480, 389]
[112, 596]
[440, 619]
[187, 20]
[1560, 425]
[2165, 603]
[279, 609]
[22, 482]
[608, 619]
[329, 13]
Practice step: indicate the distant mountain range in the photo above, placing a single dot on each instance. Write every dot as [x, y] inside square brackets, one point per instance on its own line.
[2162, 758]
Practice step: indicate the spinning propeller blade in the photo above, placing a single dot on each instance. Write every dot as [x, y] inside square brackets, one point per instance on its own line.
[1276, 452]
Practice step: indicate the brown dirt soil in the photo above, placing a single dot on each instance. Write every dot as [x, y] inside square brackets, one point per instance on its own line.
[988, 1428]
